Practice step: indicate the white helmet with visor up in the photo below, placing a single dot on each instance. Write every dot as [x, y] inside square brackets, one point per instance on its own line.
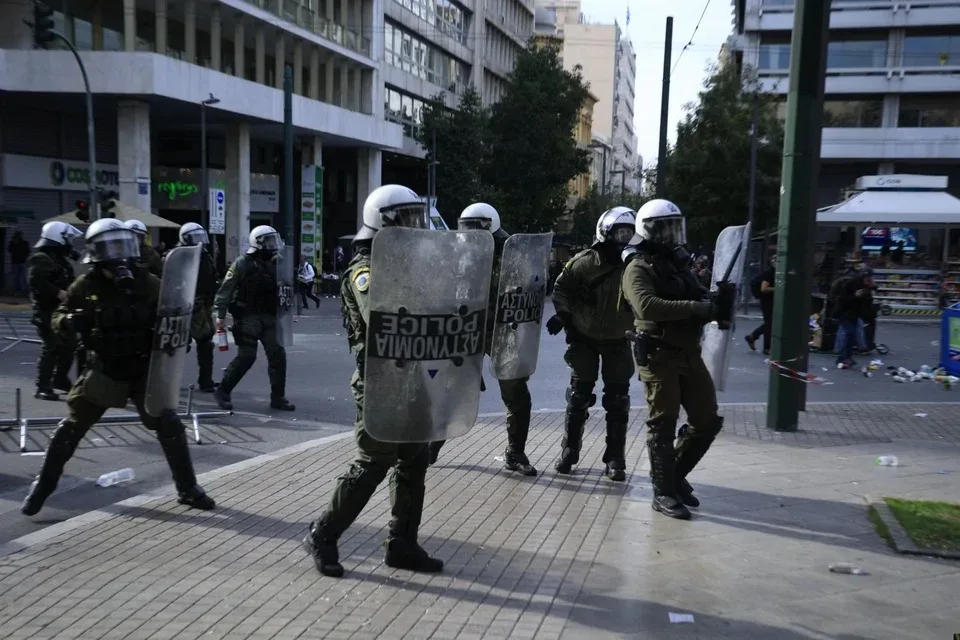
[661, 223]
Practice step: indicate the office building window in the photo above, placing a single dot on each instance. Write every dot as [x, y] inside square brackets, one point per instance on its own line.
[842, 54]
[931, 51]
[929, 111]
[774, 57]
[404, 109]
[423, 60]
[852, 113]
[447, 16]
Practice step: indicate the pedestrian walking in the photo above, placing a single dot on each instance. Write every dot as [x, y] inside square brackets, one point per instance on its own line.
[19, 251]
[762, 288]
[306, 276]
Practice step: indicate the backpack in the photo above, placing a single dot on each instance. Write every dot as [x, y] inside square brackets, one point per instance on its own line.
[756, 283]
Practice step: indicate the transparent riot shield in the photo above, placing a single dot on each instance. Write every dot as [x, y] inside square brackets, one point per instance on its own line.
[521, 293]
[286, 272]
[171, 334]
[728, 261]
[428, 301]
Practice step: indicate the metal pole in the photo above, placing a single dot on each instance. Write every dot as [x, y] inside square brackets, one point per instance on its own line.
[603, 176]
[288, 154]
[204, 186]
[754, 140]
[664, 111]
[623, 182]
[801, 155]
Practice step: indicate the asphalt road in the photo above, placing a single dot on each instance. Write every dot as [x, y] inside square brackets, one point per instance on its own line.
[319, 368]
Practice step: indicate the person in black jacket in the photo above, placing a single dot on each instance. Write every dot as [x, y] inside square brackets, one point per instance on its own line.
[854, 301]
[764, 293]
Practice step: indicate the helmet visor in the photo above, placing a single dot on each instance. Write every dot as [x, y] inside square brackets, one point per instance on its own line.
[411, 216]
[195, 236]
[116, 244]
[268, 242]
[669, 232]
[475, 224]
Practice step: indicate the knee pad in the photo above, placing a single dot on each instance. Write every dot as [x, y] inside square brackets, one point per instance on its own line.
[661, 431]
[580, 396]
[694, 432]
[366, 474]
[616, 397]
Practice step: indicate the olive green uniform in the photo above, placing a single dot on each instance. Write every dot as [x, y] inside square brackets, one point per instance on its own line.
[249, 290]
[150, 260]
[670, 311]
[201, 327]
[117, 328]
[586, 296]
[48, 274]
[374, 458]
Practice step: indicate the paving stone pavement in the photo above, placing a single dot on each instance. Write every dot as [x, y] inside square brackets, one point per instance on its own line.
[547, 558]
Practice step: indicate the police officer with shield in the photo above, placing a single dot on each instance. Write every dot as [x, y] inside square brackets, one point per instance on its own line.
[587, 302]
[514, 393]
[149, 258]
[114, 308]
[49, 275]
[249, 290]
[201, 328]
[398, 206]
[671, 309]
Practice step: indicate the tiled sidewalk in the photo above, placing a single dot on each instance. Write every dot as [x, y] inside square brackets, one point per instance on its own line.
[551, 557]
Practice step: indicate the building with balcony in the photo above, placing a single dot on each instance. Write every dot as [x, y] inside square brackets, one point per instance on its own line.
[151, 64]
[892, 93]
[440, 47]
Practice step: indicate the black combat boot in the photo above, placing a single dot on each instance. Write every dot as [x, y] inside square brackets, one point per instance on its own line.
[46, 394]
[279, 401]
[403, 552]
[662, 475]
[222, 396]
[692, 445]
[514, 457]
[614, 455]
[321, 544]
[189, 493]
[579, 400]
[435, 450]
[62, 445]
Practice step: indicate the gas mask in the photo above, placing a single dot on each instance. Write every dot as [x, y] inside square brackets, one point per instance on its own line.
[121, 271]
[74, 254]
[680, 256]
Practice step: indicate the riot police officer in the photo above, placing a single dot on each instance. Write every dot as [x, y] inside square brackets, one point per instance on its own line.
[587, 301]
[514, 393]
[249, 290]
[201, 328]
[49, 275]
[389, 205]
[671, 309]
[114, 308]
[149, 258]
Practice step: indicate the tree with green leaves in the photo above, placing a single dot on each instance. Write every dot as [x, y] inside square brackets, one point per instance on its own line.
[460, 151]
[708, 168]
[531, 152]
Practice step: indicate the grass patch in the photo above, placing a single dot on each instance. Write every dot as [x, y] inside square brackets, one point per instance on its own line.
[881, 527]
[934, 525]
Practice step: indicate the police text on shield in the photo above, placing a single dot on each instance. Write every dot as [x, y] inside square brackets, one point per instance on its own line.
[426, 337]
[521, 307]
[172, 332]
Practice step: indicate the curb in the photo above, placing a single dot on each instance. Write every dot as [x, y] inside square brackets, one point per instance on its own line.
[92, 517]
[901, 540]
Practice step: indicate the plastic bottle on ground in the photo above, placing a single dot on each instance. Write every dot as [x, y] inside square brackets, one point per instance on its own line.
[115, 477]
[888, 461]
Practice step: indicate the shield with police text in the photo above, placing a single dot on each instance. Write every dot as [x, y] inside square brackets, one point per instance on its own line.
[728, 261]
[428, 295]
[171, 334]
[521, 293]
[286, 268]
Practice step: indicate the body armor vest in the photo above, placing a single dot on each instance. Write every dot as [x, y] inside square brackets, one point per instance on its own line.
[122, 333]
[258, 291]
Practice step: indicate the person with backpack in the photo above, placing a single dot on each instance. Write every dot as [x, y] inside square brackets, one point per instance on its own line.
[762, 288]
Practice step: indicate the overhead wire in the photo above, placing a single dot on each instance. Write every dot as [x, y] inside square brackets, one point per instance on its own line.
[706, 6]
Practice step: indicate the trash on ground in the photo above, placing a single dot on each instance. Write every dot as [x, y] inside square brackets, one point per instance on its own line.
[680, 617]
[847, 568]
[498, 459]
[115, 477]
[888, 461]
[920, 415]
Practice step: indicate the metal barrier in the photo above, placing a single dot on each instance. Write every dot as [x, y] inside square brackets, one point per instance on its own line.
[6, 424]
[16, 338]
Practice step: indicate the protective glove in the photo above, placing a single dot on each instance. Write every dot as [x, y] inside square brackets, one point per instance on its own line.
[724, 300]
[555, 325]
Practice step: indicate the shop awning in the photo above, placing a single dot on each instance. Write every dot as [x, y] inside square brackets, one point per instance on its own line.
[894, 208]
[123, 213]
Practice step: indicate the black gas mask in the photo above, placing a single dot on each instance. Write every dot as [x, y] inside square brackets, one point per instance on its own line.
[74, 254]
[121, 271]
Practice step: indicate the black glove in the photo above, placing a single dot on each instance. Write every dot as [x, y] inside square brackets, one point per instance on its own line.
[555, 325]
[725, 298]
[79, 321]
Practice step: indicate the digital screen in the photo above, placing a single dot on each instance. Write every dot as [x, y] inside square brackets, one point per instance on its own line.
[438, 223]
[875, 238]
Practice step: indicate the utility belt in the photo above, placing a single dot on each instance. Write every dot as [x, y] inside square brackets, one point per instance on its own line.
[644, 346]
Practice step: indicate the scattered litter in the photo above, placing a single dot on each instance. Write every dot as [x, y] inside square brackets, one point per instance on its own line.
[942, 472]
[920, 415]
[28, 363]
[847, 568]
[888, 461]
[680, 617]
[98, 441]
[935, 343]
[112, 437]
[115, 477]
[223, 442]
[825, 369]
[498, 459]
[33, 453]
[331, 399]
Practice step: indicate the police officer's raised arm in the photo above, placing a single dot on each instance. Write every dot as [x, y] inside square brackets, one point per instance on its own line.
[640, 291]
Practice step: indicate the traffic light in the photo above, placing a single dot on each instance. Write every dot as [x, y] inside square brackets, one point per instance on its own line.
[83, 210]
[108, 204]
[42, 25]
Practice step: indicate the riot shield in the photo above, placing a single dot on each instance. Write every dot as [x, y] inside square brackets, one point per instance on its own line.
[171, 334]
[286, 271]
[728, 260]
[428, 297]
[521, 292]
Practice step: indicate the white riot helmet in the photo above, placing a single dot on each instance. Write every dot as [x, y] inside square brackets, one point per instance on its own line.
[265, 238]
[137, 227]
[660, 223]
[483, 216]
[392, 205]
[57, 234]
[616, 227]
[109, 240]
[192, 233]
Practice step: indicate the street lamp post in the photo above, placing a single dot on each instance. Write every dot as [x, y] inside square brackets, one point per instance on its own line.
[603, 168]
[204, 187]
